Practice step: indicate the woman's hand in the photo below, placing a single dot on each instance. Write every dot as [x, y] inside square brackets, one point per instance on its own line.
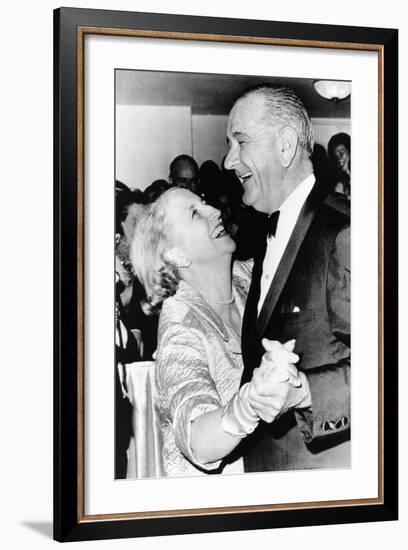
[278, 363]
[277, 385]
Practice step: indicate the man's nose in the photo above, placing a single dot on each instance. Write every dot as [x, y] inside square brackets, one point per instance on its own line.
[231, 158]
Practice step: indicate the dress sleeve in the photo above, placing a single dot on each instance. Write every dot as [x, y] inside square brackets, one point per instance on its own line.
[185, 385]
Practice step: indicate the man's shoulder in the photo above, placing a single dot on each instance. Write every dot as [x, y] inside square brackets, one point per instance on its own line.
[338, 205]
[332, 218]
[332, 215]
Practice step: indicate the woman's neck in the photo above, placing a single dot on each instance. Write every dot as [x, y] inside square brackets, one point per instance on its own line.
[213, 282]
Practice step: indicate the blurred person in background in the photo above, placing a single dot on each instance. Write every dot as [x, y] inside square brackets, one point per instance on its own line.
[210, 177]
[339, 150]
[184, 173]
[127, 347]
[154, 190]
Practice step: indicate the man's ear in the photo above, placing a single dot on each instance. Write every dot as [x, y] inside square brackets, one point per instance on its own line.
[177, 257]
[289, 143]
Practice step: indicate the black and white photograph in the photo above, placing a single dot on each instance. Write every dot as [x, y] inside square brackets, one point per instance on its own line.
[206, 227]
[179, 229]
[231, 273]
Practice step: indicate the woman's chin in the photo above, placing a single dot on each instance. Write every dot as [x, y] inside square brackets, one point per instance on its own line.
[230, 243]
[226, 245]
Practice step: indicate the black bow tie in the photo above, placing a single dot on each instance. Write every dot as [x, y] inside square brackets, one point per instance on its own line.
[272, 223]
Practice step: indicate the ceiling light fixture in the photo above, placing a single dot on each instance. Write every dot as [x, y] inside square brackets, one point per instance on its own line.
[333, 90]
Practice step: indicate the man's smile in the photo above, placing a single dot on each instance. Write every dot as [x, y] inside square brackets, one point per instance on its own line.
[244, 177]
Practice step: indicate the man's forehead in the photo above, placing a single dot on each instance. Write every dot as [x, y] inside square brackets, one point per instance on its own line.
[184, 167]
[186, 170]
[247, 111]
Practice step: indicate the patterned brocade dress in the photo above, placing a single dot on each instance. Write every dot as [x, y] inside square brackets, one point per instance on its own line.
[198, 369]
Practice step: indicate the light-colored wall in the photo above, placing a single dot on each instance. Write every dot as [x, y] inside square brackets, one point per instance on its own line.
[149, 137]
[147, 140]
[325, 128]
[209, 139]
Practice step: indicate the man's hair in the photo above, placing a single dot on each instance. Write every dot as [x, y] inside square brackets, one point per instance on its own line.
[151, 239]
[183, 159]
[284, 108]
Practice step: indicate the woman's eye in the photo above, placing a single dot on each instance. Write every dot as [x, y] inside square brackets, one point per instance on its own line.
[194, 213]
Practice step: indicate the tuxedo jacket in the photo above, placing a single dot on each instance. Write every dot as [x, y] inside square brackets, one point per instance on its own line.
[308, 300]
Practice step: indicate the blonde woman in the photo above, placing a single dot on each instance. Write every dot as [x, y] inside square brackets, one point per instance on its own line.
[182, 255]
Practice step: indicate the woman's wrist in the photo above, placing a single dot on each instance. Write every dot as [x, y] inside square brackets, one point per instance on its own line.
[238, 417]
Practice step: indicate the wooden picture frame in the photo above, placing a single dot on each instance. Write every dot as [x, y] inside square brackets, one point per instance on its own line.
[71, 26]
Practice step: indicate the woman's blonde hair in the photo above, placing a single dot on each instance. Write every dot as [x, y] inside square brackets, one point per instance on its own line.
[151, 239]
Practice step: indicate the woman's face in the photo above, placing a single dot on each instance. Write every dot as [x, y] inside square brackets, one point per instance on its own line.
[196, 228]
[342, 157]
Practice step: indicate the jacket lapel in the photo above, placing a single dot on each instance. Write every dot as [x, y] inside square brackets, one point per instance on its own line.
[303, 223]
[251, 309]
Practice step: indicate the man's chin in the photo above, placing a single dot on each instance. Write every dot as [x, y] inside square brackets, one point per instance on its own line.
[258, 205]
[247, 200]
[250, 200]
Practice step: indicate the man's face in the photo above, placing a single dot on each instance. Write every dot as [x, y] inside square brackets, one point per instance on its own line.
[185, 176]
[254, 154]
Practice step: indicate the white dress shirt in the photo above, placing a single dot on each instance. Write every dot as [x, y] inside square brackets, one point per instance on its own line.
[289, 213]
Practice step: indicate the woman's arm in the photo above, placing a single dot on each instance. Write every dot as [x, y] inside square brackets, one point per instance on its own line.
[275, 386]
[209, 442]
[186, 389]
[191, 401]
[204, 429]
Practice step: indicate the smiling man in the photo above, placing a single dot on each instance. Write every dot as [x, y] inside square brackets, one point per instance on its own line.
[300, 281]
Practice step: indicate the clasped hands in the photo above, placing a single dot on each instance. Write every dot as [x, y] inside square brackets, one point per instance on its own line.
[277, 385]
